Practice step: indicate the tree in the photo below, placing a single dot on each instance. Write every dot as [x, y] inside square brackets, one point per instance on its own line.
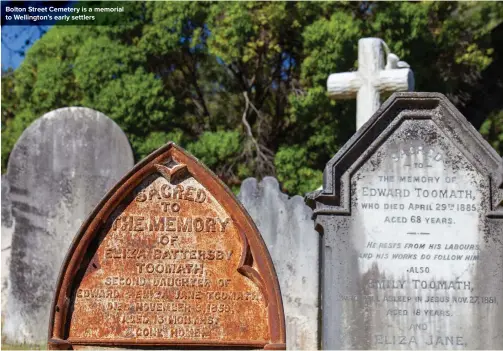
[242, 84]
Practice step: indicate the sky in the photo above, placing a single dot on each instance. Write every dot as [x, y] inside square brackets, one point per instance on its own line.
[16, 36]
[15, 41]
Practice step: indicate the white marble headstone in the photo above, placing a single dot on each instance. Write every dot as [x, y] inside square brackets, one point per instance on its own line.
[412, 221]
[288, 231]
[59, 169]
[7, 229]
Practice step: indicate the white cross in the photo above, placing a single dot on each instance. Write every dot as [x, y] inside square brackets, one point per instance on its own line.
[373, 77]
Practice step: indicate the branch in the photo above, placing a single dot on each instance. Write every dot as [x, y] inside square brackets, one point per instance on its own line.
[264, 155]
[198, 116]
[245, 112]
[199, 92]
[239, 75]
[252, 105]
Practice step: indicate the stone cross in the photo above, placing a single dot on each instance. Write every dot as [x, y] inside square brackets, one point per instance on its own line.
[374, 76]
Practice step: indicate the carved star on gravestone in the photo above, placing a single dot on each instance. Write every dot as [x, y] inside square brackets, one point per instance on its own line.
[172, 173]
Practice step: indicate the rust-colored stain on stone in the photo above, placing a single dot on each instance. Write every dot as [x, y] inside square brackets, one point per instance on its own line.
[168, 257]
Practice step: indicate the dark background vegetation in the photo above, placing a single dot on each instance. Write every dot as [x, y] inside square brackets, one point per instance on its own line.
[241, 85]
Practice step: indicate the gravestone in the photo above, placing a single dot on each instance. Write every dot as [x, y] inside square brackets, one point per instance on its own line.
[411, 214]
[58, 170]
[169, 258]
[379, 71]
[288, 230]
[7, 229]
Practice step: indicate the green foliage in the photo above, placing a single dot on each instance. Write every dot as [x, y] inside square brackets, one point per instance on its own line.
[155, 140]
[136, 101]
[10, 103]
[492, 129]
[292, 172]
[326, 39]
[215, 148]
[241, 85]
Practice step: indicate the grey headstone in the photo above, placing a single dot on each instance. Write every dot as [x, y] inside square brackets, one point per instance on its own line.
[411, 213]
[288, 231]
[7, 229]
[59, 169]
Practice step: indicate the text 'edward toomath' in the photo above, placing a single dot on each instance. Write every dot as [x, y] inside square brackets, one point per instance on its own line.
[411, 216]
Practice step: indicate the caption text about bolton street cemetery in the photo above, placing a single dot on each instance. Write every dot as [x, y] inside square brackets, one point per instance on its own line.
[84, 13]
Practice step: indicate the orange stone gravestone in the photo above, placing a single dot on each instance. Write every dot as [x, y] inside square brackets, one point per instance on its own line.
[168, 258]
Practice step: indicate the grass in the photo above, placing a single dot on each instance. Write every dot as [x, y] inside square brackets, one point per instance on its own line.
[23, 347]
[5, 346]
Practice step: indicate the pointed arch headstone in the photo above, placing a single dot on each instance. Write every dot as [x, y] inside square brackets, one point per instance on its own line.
[169, 258]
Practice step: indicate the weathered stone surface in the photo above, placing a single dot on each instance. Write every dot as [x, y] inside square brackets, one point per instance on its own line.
[379, 71]
[288, 230]
[58, 170]
[412, 219]
[168, 258]
[7, 229]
